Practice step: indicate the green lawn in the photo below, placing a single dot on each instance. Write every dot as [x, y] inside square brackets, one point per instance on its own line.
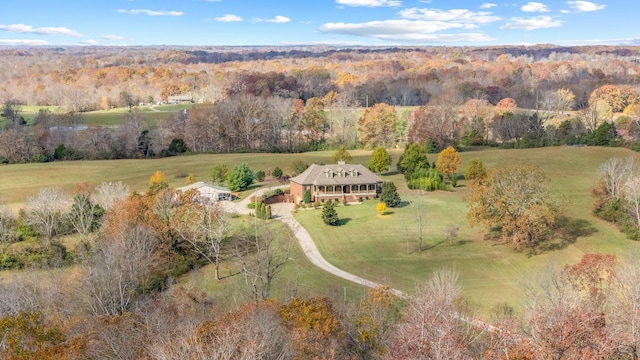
[20, 181]
[384, 248]
[381, 248]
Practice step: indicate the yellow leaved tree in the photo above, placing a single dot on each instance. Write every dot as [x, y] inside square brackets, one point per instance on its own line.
[448, 162]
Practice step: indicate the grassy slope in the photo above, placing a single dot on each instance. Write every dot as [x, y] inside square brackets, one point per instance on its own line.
[376, 247]
[371, 245]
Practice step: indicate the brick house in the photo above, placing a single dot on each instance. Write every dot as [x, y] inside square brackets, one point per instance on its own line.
[342, 182]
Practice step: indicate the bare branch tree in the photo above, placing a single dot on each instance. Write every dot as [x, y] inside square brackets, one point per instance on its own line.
[108, 193]
[112, 279]
[433, 327]
[261, 256]
[615, 172]
[204, 226]
[46, 210]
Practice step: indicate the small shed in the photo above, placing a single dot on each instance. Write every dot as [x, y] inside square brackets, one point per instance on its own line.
[209, 191]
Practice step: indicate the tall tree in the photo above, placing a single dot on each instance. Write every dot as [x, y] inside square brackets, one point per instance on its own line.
[11, 111]
[448, 162]
[433, 326]
[389, 194]
[240, 178]
[380, 160]
[515, 198]
[157, 182]
[341, 155]
[377, 126]
[46, 211]
[413, 158]
[261, 256]
[314, 119]
[204, 226]
[219, 174]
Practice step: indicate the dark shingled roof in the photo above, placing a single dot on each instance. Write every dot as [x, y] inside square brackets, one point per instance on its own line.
[354, 174]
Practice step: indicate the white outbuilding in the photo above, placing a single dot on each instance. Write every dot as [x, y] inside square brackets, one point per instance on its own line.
[209, 191]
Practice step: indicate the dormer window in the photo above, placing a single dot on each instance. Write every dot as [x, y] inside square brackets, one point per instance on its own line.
[353, 172]
[328, 173]
[341, 172]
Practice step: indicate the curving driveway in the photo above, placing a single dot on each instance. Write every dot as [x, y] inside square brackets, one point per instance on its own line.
[282, 212]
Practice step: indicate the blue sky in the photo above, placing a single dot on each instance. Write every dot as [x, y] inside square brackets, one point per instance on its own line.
[335, 22]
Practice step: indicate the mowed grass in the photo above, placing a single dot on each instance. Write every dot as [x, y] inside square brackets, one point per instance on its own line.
[380, 248]
[385, 248]
[298, 276]
[20, 181]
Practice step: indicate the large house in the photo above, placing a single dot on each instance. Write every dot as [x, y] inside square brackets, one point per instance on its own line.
[342, 182]
[208, 192]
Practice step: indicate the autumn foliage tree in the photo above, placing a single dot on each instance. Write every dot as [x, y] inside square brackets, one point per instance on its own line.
[514, 198]
[315, 329]
[377, 125]
[380, 160]
[341, 155]
[448, 162]
[157, 182]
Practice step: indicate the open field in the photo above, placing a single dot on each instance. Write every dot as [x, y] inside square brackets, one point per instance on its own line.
[20, 181]
[383, 248]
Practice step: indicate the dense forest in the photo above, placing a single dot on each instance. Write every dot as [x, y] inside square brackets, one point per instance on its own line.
[304, 98]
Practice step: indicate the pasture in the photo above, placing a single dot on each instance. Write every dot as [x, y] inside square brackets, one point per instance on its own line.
[384, 248]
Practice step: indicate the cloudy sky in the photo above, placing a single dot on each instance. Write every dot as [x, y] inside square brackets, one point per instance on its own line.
[337, 22]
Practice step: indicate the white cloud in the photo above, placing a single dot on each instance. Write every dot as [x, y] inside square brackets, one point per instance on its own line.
[151, 12]
[28, 42]
[535, 7]
[487, 6]
[22, 28]
[455, 15]
[112, 37]
[585, 6]
[228, 18]
[89, 42]
[370, 3]
[278, 20]
[538, 22]
[405, 30]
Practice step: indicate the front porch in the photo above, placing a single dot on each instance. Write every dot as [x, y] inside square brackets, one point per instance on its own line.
[349, 193]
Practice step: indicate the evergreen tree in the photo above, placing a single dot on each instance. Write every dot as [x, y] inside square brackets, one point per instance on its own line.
[329, 214]
[240, 178]
[389, 194]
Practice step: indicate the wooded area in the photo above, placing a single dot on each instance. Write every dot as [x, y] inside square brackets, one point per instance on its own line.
[291, 99]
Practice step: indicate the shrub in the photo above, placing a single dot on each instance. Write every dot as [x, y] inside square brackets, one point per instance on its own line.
[427, 179]
[381, 208]
[259, 175]
[454, 180]
[475, 170]
[276, 172]
[307, 196]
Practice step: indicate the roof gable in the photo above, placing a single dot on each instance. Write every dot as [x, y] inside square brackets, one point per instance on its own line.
[344, 174]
